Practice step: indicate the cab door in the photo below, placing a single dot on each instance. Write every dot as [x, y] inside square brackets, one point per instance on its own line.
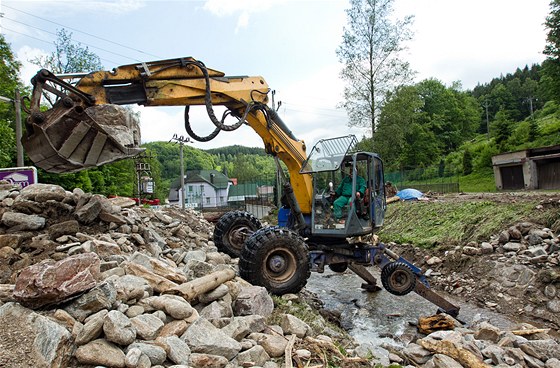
[378, 203]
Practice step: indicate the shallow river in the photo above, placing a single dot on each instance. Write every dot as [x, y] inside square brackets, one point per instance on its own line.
[381, 317]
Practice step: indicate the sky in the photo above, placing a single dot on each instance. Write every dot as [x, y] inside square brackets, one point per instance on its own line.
[291, 44]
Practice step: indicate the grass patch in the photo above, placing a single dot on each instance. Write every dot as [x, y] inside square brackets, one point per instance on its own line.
[478, 182]
[451, 222]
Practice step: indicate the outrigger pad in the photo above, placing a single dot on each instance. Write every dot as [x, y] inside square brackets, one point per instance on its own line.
[70, 139]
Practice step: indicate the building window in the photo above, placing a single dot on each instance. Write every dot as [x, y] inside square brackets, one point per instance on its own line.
[221, 199]
[190, 188]
[207, 200]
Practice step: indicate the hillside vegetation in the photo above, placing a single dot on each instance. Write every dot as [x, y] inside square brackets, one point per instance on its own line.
[450, 220]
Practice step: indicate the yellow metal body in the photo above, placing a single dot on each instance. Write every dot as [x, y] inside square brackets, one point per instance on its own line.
[168, 83]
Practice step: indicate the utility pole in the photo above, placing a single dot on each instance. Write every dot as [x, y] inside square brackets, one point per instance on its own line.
[17, 105]
[181, 140]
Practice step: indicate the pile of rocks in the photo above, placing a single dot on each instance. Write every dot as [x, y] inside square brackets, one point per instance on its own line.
[91, 281]
[516, 272]
[482, 345]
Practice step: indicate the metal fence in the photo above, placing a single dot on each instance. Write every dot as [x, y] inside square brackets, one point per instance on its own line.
[432, 179]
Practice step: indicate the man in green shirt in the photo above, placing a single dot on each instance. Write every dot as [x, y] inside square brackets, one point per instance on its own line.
[343, 192]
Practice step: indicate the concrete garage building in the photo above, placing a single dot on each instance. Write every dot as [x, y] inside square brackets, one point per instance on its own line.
[535, 168]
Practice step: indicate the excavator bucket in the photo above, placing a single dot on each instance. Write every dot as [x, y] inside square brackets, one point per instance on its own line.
[72, 137]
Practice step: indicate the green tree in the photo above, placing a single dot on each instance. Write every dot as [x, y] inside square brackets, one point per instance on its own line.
[68, 57]
[9, 82]
[371, 52]
[503, 129]
[551, 66]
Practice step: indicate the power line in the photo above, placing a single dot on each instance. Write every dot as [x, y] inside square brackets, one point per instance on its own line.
[92, 46]
[86, 33]
[50, 42]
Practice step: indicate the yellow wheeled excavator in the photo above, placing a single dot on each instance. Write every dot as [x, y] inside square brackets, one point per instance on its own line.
[89, 127]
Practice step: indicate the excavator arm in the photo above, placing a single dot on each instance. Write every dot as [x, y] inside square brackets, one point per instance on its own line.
[88, 127]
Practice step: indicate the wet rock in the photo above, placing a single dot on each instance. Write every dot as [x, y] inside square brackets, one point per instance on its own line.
[101, 352]
[52, 282]
[416, 353]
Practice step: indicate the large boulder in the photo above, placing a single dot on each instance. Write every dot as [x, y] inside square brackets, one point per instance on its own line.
[52, 282]
[28, 339]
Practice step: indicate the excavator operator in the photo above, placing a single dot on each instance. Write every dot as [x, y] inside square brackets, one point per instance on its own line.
[343, 192]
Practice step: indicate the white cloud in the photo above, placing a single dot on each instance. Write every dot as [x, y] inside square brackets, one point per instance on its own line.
[242, 8]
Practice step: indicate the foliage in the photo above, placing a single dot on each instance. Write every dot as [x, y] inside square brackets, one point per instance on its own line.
[9, 82]
[371, 51]
[7, 145]
[551, 66]
[467, 162]
[420, 123]
[69, 57]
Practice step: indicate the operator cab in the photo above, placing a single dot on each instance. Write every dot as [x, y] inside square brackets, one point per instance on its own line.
[349, 193]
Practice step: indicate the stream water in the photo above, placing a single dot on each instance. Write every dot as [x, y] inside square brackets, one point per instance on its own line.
[380, 317]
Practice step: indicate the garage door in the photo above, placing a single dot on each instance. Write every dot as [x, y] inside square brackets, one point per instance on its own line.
[549, 172]
[512, 177]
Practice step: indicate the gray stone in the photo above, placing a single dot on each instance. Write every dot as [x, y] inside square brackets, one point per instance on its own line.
[136, 359]
[177, 350]
[217, 312]
[253, 300]
[100, 352]
[213, 295]
[552, 363]
[43, 192]
[541, 349]
[495, 353]
[147, 326]
[256, 355]
[442, 361]
[294, 326]
[175, 306]
[70, 227]
[203, 337]
[195, 269]
[416, 353]
[486, 248]
[156, 353]
[274, 345]
[131, 287]
[512, 247]
[486, 331]
[242, 326]
[92, 328]
[101, 297]
[22, 222]
[207, 361]
[28, 339]
[89, 212]
[118, 328]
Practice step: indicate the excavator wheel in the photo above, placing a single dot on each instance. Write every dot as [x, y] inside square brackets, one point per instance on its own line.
[339, 267]
[277, 259]
[398, 278]
[233, 229]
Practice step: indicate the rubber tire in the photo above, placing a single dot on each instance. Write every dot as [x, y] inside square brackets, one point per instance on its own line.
[284, 245]
[398, 269]
[339, 267]
[226, 238]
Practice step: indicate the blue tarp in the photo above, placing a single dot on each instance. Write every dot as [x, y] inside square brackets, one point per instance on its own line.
[409, 194]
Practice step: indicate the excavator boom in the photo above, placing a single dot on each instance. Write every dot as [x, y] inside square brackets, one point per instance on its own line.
[88, 127]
